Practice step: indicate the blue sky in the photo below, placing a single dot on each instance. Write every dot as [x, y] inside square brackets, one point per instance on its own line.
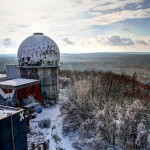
[77, 26]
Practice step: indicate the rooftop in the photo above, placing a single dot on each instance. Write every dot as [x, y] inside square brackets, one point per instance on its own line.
[6, 111]
[2, 75]
[18, 82]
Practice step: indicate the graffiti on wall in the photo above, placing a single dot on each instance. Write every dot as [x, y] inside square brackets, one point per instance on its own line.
[12, 97]
[7, 97]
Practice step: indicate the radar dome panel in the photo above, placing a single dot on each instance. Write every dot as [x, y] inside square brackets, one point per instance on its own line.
[37, 50]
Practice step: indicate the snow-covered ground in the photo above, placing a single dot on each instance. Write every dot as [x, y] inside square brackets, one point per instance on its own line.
[54, 133]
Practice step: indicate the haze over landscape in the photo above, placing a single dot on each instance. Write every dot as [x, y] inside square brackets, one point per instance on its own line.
[121, 63]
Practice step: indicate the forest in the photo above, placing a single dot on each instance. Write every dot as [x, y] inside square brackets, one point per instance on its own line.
[106, 110]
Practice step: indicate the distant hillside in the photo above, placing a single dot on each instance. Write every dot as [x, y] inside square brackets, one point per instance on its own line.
[98, 56]
[7, 59]
[8, 55]
[116, 62]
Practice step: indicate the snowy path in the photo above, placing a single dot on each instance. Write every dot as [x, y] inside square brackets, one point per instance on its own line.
[54, 133]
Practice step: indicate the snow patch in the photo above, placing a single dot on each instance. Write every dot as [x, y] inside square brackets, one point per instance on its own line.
[54, 133]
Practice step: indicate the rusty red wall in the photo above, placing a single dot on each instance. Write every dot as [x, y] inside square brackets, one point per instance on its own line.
[23, 93]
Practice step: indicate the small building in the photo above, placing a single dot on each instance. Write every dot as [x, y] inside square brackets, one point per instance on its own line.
[12, 71]
[13, 133]
[16, 91]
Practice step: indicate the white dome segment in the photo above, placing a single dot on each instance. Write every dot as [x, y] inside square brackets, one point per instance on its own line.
[37, 50]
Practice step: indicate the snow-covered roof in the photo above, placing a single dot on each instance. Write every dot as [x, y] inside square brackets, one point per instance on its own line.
[17, 82]
[38, 49]
[2, 75]
[31, 105]
[6, 111]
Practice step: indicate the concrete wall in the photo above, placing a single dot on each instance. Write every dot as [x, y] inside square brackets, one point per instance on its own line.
[12, 72]
[48, 77]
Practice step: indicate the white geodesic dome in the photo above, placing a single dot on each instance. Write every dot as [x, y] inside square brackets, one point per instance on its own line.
[37, 50]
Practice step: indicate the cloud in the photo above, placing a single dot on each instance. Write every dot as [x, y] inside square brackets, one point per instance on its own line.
[116, 17]
[101, 43]
[117, 5]
[79, 1]
[22, 25]
[65, 20]
[65, 14]
[97, 7]
[67, 41]
[142, 42]
[113, 40]
[118, 41]
[7, 42]
[126, 29]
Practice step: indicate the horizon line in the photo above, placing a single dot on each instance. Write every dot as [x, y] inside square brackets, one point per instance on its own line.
[93, 53]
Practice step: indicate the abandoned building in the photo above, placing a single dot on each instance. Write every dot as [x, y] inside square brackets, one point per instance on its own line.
[38, 58]
[34, 78]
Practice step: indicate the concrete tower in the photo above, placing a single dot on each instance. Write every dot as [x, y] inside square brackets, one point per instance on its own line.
[38, 58]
